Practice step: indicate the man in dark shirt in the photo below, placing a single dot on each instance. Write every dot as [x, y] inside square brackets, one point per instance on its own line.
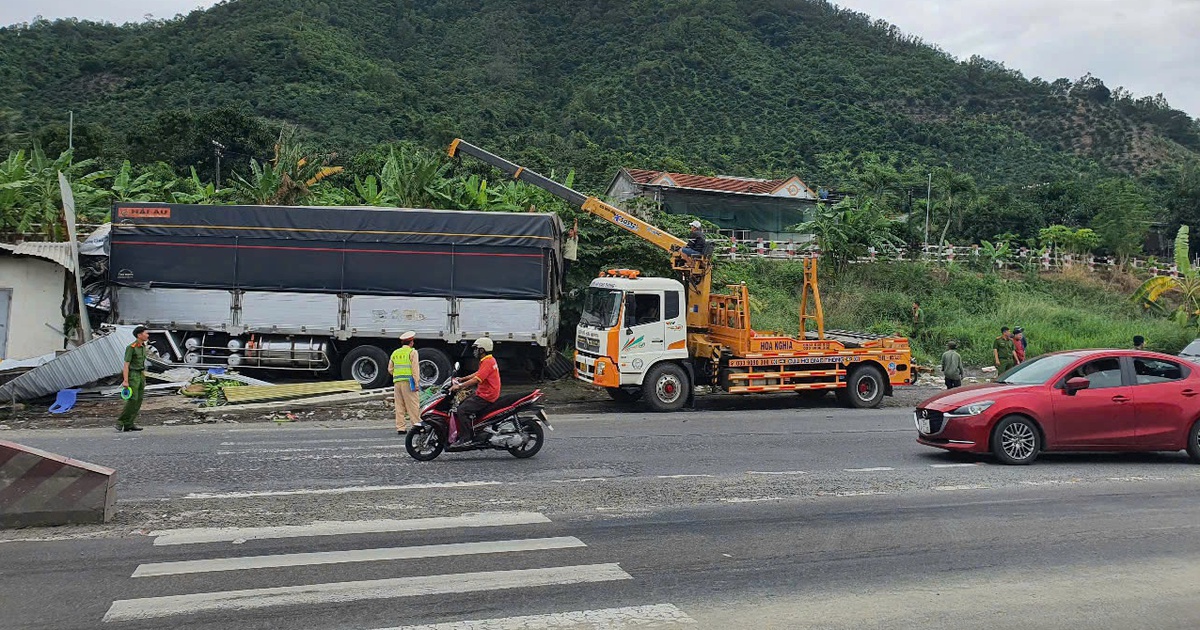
[134, 379]
[696, 244]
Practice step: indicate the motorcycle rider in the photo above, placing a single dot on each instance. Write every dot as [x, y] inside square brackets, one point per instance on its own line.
[488, 391]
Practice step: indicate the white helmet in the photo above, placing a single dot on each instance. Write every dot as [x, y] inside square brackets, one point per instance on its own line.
[484, 344]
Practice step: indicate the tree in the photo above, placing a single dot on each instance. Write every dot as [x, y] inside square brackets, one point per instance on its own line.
[848, 230]
[287, 179]
[1123, 219]
[1185, 287]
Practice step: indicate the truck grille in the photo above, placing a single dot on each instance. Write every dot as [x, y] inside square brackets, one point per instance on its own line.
[588, 345]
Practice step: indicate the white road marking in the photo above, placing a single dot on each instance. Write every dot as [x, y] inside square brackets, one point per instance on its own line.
[341, 592]
[191, 536]
[873, 469]
[604, 619]
[356, 555]
[964, 487]
[748, 500]
[580, 480]
[350, 489]
[287, 441]
[953, 465]
[776, 472]
[681, 476]
[309, 449]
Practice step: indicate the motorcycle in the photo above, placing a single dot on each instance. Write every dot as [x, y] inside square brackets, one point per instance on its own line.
[514, 423]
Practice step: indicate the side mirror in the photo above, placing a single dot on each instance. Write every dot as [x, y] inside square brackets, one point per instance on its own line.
[1076, 384]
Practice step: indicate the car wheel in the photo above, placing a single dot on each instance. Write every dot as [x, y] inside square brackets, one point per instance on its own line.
[1193, 445]
[1016, 441]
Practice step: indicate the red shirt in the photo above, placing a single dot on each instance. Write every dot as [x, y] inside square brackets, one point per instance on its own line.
[489, 379]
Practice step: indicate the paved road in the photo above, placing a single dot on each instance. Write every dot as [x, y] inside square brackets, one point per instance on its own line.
[822, 518]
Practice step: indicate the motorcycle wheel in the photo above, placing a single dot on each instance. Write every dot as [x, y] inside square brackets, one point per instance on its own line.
[424, 444]
[537, 436]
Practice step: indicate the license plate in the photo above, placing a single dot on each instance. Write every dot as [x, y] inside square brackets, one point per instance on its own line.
[922, 423]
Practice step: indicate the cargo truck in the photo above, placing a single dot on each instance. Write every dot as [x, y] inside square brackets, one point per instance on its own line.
[329, 289]
[659, 339]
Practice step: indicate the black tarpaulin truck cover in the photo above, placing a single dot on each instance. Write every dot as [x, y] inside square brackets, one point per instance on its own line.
[358, 250]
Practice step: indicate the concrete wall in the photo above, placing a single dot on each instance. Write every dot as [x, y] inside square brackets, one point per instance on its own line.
[37, 294]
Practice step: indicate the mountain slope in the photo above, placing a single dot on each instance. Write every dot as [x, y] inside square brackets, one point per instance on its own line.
[761, 87]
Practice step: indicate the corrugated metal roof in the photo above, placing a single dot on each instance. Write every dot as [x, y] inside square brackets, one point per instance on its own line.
[54, 252]
[94, 360]
[720, 183]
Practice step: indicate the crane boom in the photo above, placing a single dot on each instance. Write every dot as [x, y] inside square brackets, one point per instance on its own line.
[592, 204]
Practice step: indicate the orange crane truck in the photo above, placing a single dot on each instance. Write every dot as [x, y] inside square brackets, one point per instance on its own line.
[658, 339]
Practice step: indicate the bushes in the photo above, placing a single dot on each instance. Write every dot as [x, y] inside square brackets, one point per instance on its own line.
[1057, 312]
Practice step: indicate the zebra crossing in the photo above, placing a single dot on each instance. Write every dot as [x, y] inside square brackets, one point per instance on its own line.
[389, 578]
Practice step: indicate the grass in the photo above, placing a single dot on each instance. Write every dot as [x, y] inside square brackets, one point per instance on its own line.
[1058, 311]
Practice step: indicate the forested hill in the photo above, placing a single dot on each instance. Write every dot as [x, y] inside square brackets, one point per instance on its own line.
[758, 87]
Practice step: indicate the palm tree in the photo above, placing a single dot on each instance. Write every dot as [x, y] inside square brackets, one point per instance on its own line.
[1186, 285]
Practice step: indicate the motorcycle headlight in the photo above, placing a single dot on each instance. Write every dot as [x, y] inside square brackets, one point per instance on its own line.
[973, 409]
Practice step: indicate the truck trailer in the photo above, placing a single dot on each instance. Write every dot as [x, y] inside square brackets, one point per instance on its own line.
[329, 289]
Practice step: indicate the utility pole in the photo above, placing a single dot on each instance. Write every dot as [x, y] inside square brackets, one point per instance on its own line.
[928, 206]
[217, 148]
[71, 131]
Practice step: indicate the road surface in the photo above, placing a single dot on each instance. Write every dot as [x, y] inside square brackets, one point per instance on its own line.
[771, 517]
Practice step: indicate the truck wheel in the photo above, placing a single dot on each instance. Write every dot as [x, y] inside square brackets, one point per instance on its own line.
[436, 366]
[864, 389]
[624, 394]
[666, 387]
[368, 366]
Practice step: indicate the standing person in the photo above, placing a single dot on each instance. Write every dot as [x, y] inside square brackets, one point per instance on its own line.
[133, 377]
[1003, 351]
[1139, 342]
[696, 244]
[918, 317]
[952, 366]
[1019, 344]
[405, 366]
[488, 392]
[571, 248]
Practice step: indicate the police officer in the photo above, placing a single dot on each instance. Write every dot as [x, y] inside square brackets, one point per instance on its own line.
[405, 367]
[133, 377]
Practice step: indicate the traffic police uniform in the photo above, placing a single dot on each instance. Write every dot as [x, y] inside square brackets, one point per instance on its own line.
[406, 373]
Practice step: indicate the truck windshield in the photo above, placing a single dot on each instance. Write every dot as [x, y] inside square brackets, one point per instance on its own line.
[601, 308]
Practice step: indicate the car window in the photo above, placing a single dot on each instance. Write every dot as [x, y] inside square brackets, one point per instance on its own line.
[1151, 371]
[646, 308]
[1101, 373]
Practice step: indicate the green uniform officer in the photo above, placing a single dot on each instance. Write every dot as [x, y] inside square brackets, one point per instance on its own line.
[134, 378]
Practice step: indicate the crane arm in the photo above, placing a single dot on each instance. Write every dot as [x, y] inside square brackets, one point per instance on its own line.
[592, 204]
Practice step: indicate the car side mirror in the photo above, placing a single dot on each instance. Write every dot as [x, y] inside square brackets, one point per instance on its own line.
[1076, 384]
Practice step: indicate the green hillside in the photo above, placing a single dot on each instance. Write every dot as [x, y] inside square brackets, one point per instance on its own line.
[760, 87]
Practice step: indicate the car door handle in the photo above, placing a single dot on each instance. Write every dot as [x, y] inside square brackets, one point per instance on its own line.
[1189, 392]
[656, 341]
[1120, 399]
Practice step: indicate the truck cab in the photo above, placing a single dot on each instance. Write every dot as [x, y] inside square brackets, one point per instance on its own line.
[628, 326]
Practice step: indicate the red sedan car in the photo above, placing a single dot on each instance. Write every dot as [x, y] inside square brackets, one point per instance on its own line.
[1087, 400]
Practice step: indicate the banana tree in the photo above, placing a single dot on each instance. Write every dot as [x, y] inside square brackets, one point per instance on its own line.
[288, 178]
[1185, 286]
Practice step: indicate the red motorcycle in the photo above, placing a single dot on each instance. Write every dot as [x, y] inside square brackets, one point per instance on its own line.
[514, 423]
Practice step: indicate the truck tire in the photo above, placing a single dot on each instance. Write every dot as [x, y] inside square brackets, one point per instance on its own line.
[666, 387]
[865, 388]
[368, 366]
[436, 366]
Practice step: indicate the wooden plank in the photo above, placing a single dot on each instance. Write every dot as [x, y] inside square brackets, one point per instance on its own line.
[316, 401]
[255, 393]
